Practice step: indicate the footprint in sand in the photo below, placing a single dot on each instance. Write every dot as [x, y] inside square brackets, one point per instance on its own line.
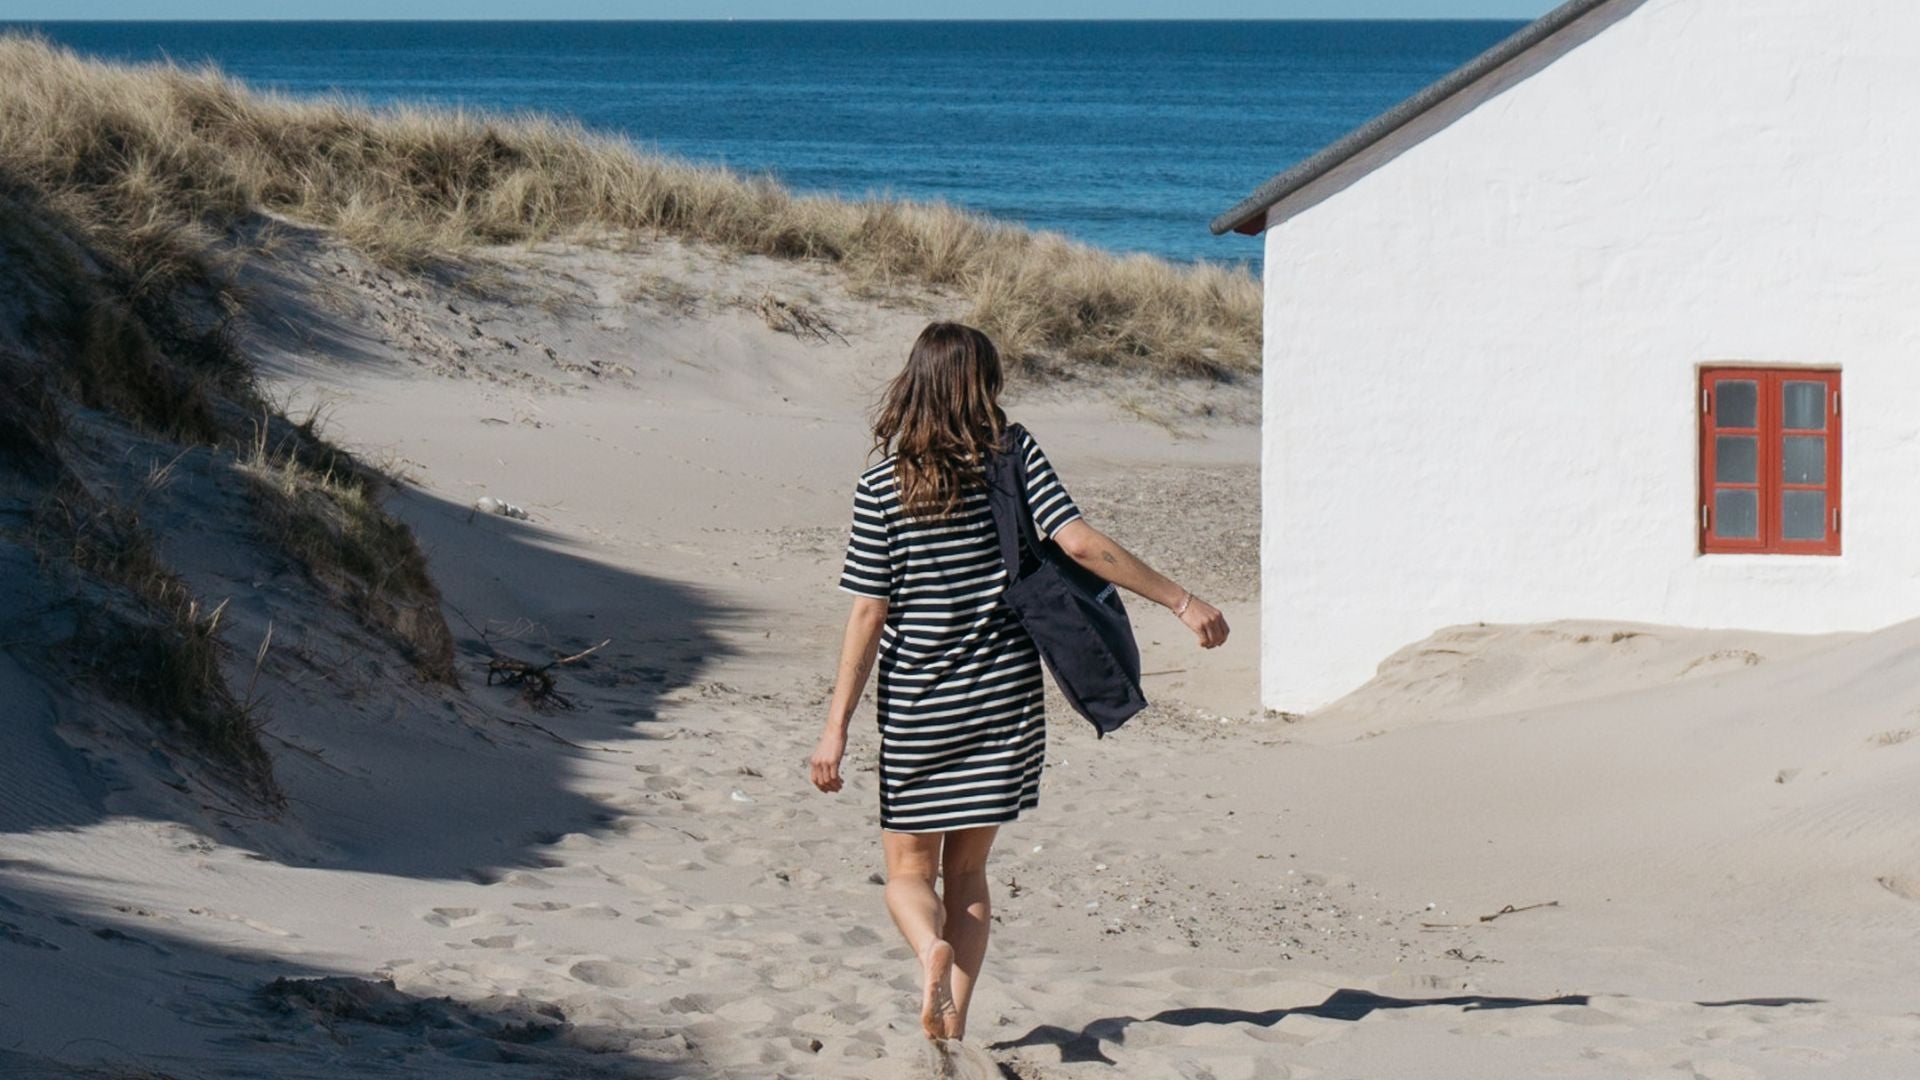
[784, 978]
[694, 1003]
[732, 855]
[108, 933]
[251, 924]
[860, 935]
[639, 883]
[799, 877]
[13, 935]
[459, 918]
[518, 879]
[1714, 1070]
[500, 941]
[605, 973]
[1905, 888]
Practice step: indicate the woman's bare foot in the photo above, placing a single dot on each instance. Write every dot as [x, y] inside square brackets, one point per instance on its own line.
[939, 1015]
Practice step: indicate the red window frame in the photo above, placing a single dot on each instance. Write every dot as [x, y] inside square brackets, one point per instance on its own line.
[1770, 482]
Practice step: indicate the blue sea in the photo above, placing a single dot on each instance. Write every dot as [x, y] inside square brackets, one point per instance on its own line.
[1128, 135]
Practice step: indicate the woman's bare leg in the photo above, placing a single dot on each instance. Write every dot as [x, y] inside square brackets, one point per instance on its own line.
[913, 863]
[969, 913]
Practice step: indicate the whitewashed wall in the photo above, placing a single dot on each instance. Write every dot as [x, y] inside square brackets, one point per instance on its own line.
[1481, 356]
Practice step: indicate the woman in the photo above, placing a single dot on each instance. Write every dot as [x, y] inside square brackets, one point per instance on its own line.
[962, 729]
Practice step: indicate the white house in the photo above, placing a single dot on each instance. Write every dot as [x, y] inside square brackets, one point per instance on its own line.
[1621, 320]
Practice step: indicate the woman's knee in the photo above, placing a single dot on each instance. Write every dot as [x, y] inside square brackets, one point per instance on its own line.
[965, 854]
[963, 887]
[912, 857]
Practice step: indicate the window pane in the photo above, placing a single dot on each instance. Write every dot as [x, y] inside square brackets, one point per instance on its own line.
[1806, 459]
[1803, 515]
[1736, 459]
[1806, 406]
[1736, 514]
[1736, 403]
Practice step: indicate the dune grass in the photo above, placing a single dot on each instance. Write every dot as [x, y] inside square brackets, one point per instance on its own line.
[323, 508]
[159, 162]
[107, 338]
[159, 357]
[141, 634]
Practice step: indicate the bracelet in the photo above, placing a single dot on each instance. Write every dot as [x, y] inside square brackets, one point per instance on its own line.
[1184, 604]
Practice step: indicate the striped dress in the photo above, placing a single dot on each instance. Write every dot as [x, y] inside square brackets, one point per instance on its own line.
[962, 723]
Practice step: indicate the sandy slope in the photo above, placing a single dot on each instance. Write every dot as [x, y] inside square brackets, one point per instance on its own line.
[644, 886]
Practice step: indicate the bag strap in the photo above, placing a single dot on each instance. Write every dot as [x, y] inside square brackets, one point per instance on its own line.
[1028, 532]
[1008, 478]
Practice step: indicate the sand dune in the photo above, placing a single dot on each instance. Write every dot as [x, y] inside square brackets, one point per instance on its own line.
[1720, 828]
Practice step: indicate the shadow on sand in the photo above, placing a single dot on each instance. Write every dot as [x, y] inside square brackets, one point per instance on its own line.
[90, 991]
[383, 774]
[1345, 1004]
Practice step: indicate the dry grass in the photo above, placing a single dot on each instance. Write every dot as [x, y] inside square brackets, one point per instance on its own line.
[158, 162]
[123, 346]
[670, 293]
[139, 633]
[117, 368]
[32, 422]
[131, 328]
[322, 508]
[153, 645]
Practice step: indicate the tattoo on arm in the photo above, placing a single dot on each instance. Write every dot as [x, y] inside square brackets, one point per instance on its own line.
[1107, 557]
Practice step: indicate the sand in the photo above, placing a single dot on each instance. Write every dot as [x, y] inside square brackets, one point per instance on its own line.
[1710, 840]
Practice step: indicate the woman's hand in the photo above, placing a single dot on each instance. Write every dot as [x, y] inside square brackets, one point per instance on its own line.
[825, 763]
[1206, 622]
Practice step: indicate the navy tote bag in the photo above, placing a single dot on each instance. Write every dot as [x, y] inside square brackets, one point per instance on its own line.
[1073, 615]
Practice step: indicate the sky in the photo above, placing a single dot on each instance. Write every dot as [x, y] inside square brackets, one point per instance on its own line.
[30, 10]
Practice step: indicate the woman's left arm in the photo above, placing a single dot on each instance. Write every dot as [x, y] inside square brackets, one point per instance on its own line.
[1103, 555]
[857, 650]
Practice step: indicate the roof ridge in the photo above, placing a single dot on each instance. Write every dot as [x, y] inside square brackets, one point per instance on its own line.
[1350, 145]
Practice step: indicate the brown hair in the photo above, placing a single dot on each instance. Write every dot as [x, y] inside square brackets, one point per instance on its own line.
[940, 417]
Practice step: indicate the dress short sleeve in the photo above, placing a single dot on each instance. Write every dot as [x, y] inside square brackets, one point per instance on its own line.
[868, 570]
[1046, 495]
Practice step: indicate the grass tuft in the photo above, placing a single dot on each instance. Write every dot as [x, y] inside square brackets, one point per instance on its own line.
[32, 423]
[322, 508]
[161, 652]
[118, 369]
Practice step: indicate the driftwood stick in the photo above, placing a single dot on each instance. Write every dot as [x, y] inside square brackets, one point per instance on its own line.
[581, 655]
[793, 318]
[535, 681]
[1511, 910]
[1508, 910]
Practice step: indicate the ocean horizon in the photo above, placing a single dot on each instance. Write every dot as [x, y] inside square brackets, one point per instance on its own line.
[1128, 135]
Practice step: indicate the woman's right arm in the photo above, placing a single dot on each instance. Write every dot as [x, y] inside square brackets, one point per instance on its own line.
[857, 648]
[1104, 556]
